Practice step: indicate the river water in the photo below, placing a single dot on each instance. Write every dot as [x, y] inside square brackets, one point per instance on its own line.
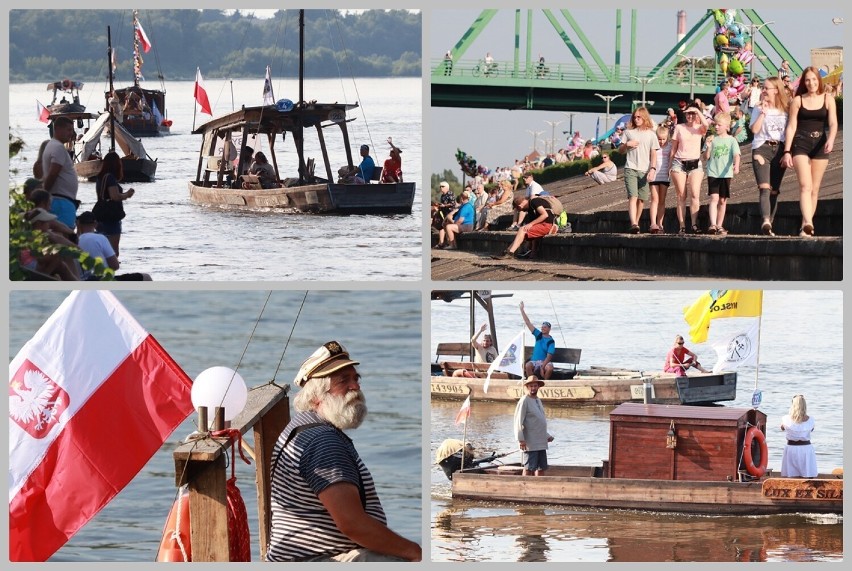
[173, 239]
[801, 352]
[201, 329]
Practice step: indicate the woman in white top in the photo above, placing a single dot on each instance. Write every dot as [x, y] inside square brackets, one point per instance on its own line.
[685, 169]
[799, 459]
[768, 123]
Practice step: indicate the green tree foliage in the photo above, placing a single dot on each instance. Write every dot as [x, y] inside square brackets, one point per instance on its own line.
[46, 45]
[22, 237]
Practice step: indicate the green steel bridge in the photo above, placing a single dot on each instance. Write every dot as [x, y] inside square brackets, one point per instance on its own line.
[583, 83]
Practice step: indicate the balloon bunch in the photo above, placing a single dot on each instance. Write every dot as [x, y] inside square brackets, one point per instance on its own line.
[467, 163]
[732, 43]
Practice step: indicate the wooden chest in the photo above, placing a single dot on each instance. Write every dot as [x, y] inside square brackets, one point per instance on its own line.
[708, 447]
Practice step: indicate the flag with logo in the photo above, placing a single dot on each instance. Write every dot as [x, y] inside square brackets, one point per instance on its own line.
[201, 94]
[43, 113]
[268, 97]
[92, 397]
[740, 349]
[464, 411]
[510, 359]
[716, 304]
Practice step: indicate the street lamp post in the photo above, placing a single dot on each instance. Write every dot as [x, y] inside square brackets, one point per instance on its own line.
[570, 122]
[692, 61]
[608, 99]
[645, 81]
[535, 135]
[752, 29]
[553, 125]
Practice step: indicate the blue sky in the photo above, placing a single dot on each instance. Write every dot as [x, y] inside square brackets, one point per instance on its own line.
[474, 130]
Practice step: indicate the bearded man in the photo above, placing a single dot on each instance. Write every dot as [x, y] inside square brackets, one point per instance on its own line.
[324, 501]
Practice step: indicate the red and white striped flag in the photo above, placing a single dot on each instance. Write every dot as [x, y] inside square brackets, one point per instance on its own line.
[143, 38]
[201, 94]
[92, 397]
[43, 113]
[464, 411]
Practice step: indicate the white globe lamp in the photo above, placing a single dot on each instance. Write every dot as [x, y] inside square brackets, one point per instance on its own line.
[219, 386]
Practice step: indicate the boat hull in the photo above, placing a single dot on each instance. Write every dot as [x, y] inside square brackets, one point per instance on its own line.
[135, 170]
[141, 127]
[593, 388]
[316, 198]
[580, 486]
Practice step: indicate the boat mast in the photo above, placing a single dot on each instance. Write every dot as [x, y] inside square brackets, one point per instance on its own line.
[111, 88]
[298, 132]
[137, 58]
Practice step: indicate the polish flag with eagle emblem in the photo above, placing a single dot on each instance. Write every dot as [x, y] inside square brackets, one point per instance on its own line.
[92, 397]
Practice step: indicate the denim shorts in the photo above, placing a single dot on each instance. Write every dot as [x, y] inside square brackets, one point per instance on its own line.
[636, 183]
[535, 460]
[686, 166]
[811, 144]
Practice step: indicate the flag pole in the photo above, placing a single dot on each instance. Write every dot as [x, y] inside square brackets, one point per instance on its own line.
[759, 327]
[464, 439]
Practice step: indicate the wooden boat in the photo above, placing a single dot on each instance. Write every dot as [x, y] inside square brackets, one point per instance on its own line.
[569, 386]
[218, 182]
[64, 88]
[137, 165]
[146, 114]
[594, 386]
[666, 458]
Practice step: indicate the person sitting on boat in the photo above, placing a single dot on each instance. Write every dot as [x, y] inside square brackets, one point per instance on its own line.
[365, 169]
[530, 424]
[799, 459]
[265, 172]
[679, 359]
[324, 505]
[392, 171]
[484, 353]
[540, 363]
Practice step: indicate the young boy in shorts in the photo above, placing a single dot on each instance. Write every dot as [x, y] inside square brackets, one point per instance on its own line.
[722, 155]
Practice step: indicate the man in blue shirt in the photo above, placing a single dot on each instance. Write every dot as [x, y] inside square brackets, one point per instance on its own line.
[540, 363]
[365, 169]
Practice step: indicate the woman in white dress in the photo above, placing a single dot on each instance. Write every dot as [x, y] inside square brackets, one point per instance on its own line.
[799, 460]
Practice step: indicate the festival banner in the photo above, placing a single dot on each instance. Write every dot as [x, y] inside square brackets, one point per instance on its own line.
[92, 397]
[268, 96]
[716, 304]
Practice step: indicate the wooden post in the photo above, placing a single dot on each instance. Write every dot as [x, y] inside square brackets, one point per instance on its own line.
[201, 465]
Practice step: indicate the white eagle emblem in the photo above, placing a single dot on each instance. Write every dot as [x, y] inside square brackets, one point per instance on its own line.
[35, 401]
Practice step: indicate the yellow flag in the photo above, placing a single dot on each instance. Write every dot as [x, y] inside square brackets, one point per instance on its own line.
[718, 303]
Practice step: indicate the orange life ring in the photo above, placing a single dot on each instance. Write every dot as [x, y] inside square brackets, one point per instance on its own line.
[66, 83]
[755, 470]
[176, 533]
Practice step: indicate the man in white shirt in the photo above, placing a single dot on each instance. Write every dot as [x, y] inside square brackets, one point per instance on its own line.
[98, 246]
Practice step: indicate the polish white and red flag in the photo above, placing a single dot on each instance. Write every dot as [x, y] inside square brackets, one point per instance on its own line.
[92, 397]
[201, 94]
[464, 412]
[43, 113]
[143, 38]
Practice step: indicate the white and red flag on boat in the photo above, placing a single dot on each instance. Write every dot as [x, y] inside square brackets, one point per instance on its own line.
[92, 397]
[268, 96]
[43, 113]
[143, 38]
[510, 359]
[464, 411]
[201, 94]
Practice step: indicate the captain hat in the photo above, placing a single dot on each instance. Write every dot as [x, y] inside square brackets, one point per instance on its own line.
[331, 357]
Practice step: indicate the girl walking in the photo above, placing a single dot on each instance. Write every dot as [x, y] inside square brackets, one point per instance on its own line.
[768, 123]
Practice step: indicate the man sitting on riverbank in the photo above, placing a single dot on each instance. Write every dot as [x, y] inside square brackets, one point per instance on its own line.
[98, 246]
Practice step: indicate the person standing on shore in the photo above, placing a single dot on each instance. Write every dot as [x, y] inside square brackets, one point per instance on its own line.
[768, 123]
[809, 139]
[641, 147]
[60, 178]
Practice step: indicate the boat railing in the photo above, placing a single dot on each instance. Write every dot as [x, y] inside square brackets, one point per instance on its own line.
[201, 465]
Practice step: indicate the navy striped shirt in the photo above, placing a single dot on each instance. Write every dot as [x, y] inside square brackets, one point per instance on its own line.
[315, 458]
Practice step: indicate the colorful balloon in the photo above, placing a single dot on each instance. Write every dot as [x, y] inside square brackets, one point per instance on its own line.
[723, 63]
[735, 67]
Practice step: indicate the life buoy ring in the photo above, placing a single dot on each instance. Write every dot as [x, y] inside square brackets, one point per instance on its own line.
[175, 546]
[753, 434]
[66, 84]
